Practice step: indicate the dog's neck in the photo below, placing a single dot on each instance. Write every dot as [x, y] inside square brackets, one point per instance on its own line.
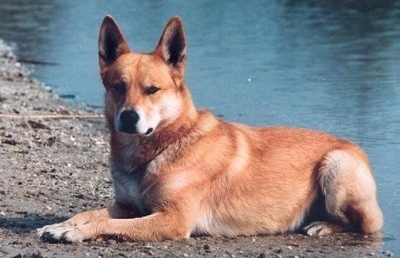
[134, 151]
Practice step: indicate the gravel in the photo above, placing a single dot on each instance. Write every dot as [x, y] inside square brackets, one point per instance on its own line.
[54, 164]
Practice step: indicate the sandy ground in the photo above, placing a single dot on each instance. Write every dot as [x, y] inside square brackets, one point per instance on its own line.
[54, 165]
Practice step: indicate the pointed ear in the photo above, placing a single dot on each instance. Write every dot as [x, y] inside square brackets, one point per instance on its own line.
[112, 43]
[172, 44]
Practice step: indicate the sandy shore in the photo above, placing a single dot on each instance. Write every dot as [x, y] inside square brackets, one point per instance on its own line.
[53, 164]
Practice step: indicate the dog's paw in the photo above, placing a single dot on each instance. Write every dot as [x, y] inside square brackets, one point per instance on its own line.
[61, 232]
[321, 228]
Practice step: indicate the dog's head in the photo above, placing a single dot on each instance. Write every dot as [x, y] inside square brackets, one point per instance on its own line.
[144, 91]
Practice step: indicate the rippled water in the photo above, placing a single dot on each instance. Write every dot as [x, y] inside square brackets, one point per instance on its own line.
[327, 65]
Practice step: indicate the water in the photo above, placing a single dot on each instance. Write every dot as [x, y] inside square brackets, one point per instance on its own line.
[328, 65]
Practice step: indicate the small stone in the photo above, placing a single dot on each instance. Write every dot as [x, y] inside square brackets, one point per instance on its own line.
[388, 253]
[207, 248]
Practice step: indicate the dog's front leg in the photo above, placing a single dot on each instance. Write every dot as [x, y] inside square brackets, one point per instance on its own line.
[158, 226]
[85, 225]
[103, 223]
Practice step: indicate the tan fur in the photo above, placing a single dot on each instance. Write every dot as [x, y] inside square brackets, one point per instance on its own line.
[179, 171]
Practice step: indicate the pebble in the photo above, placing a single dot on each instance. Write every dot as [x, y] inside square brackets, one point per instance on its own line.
[388, 253]
[207, 248]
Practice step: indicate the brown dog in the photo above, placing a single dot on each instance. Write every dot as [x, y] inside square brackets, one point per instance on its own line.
[179, 171]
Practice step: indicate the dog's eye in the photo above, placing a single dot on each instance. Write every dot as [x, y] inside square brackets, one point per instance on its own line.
[120, 88]
[151, 90]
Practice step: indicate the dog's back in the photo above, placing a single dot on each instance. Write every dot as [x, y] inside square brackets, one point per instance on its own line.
[267, 180]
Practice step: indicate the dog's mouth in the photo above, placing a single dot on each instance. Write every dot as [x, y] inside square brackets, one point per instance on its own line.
[149, 131]
[133, 130]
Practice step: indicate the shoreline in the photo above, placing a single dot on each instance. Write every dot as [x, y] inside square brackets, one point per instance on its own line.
[54, 164]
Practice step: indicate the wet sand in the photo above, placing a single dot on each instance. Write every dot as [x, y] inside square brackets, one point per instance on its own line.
[54, 164]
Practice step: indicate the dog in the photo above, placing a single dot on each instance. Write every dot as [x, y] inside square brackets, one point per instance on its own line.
[179, 171]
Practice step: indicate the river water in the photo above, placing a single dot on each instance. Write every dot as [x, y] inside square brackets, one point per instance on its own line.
[328, 65]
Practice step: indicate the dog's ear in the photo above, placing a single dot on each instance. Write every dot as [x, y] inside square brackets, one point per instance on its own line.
[112, 43]
[172, 44]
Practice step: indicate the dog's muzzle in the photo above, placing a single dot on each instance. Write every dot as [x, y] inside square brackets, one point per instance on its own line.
[128, 120]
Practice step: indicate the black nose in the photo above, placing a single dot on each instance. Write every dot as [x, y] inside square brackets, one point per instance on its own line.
[128, 119]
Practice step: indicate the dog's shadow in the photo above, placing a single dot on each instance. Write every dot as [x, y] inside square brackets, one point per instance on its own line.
[27, 222]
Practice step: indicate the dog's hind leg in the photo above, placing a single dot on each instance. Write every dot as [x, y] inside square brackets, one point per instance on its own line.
[349, 193]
